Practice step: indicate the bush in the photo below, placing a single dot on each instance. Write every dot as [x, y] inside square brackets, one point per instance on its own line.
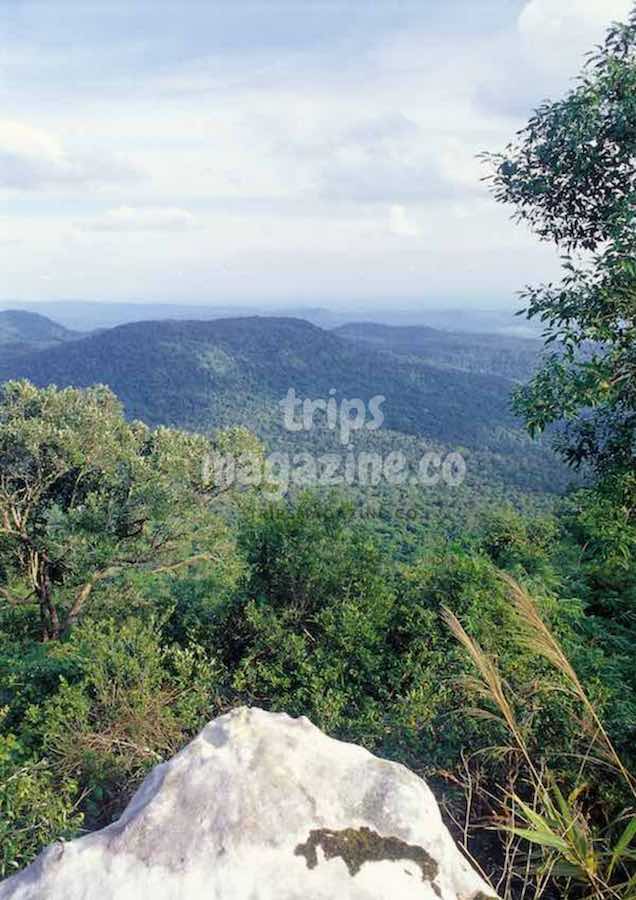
[326, 625]
[134, 703]
[35, 808]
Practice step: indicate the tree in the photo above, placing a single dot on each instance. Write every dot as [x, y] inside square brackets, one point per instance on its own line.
[86, 495]
[570, 175]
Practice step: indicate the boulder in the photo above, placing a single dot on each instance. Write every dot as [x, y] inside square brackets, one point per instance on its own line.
[261, 806]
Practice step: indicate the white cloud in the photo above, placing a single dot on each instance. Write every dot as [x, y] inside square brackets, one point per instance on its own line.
[401, 222]
[130, 218]
[381, 158]
[558, 34]
[556, 20]
[282, 171]
[31, 158]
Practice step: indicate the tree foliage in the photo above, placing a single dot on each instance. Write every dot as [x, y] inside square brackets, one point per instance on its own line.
[570, 175]
[86, 496]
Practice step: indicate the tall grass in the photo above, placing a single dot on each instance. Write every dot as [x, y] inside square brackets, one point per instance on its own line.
[566, 848]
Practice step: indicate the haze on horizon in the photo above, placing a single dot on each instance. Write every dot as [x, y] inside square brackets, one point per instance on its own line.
[273, 152]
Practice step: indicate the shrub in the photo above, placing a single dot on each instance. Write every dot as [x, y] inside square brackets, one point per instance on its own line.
[135, 703]
[35, 808]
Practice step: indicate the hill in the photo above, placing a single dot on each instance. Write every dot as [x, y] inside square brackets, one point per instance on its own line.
[492, 354]
[88, 315]
[205, 375]
[23, 332]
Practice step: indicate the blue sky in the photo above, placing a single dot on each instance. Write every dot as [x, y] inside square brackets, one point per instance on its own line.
[274, 151]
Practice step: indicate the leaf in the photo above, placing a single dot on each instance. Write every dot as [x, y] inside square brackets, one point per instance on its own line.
[542, 838]
[566, 810]
[564, 869]
[532, 816]
[622, 844]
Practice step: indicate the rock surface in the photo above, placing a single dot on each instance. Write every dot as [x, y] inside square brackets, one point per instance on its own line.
[263, 807]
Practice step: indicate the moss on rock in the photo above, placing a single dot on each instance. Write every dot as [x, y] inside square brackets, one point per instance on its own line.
[355, 846]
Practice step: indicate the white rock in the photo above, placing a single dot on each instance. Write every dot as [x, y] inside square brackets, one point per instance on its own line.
[263, 807]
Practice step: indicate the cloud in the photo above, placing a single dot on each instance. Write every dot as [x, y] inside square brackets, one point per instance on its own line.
[370, 178]
[550, 21]
[130, 218]
[33, 159]
[557, 35]
[367, 158]
[401, 222]
[332, 165]
[541, 55]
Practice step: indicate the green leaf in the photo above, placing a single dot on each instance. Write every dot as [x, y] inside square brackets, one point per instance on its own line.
[622, 844]
[542, 838]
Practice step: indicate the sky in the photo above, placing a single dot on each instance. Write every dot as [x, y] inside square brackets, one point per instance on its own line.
[273, 151]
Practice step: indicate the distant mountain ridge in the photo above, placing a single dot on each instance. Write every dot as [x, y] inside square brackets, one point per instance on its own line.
[23, 332]
[204, 375]
[491, 354]
[83, 315]
[225, 371]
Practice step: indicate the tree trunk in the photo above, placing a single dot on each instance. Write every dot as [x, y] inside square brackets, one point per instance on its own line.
[48, 612]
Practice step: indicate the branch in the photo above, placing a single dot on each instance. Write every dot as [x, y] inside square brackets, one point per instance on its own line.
[199, 557]
[83, 595]
[16, 599]
[86, 590]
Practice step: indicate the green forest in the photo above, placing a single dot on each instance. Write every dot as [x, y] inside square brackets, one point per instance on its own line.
[482, 635]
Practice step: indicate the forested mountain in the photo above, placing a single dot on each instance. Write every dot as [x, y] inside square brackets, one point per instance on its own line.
[207, 374]
[22, 332]
[491, 354]
[88, 315]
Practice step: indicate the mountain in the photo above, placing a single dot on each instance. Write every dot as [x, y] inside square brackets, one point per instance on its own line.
[205, 375]
[83, 315]
[465, 319]
[23, 332]
[490, 354]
